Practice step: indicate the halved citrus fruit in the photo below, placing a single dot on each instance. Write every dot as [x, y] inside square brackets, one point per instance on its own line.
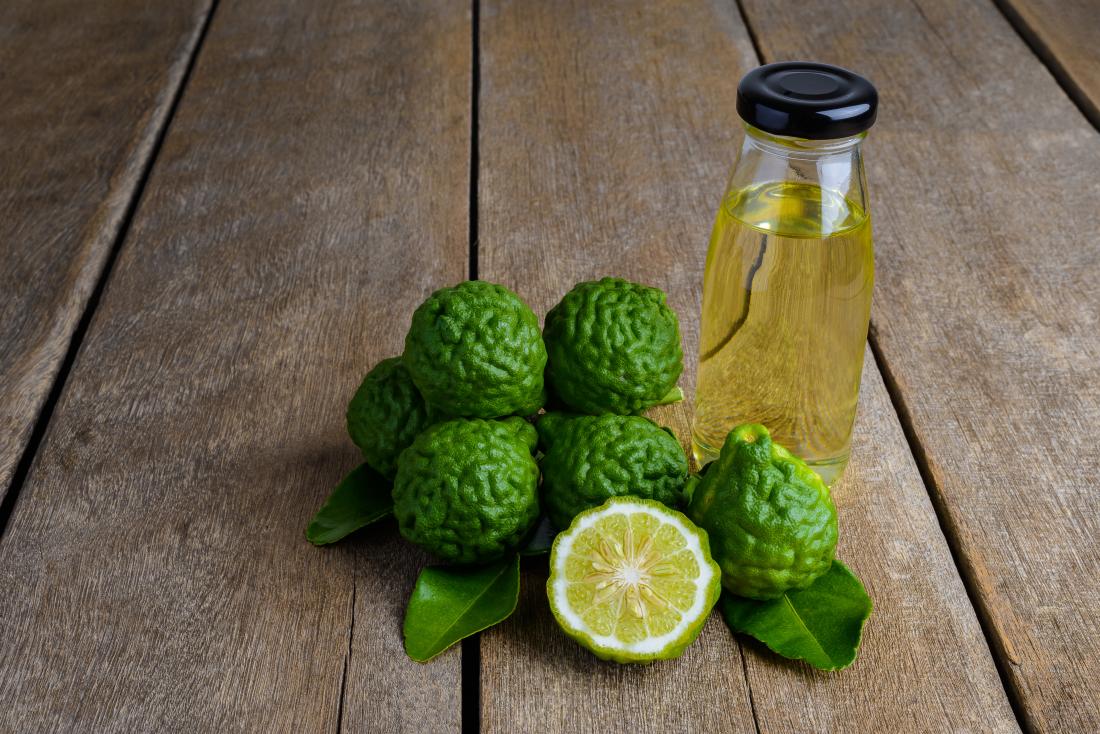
[632, 580]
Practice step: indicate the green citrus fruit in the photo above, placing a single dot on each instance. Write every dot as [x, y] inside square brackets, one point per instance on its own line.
[771, 521]
[632, 580]
[467, 489]
[591, 458]
[386, 414]
[475, 350]
[613, 347]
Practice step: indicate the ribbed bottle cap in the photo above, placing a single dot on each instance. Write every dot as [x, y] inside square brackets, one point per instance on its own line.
[804, 99]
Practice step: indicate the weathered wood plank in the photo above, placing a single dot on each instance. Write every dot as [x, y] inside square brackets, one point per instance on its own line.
[311, 191]
[606, 134]
[1064, 33]
[84, 91]
[987, 203]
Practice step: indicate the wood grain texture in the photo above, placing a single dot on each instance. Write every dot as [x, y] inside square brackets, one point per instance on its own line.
[85, 89]
[987, 203]
[312, 190]
[606, 133]
[1064, 33]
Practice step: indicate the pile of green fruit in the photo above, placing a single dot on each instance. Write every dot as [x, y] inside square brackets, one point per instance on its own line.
[487, 437]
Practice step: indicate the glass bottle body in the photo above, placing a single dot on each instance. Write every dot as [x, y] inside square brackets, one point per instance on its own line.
[787, 300]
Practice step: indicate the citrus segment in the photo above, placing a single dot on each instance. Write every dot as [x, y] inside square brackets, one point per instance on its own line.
[632, 580]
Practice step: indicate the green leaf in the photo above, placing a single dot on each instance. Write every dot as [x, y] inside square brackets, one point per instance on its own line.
[450, 603]
[362, 497]
[675, 395]
[822, 624]
[690, 485]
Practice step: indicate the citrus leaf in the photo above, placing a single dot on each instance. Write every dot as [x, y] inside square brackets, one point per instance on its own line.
[450, 603]
[362, 497]
[675, 395]
[690, 485]
[822, 624]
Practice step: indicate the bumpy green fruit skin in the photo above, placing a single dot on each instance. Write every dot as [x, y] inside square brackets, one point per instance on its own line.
[467, 489]
[771, 521]
[589, 459]
[613, 347]
[386, 414]
[475, 350]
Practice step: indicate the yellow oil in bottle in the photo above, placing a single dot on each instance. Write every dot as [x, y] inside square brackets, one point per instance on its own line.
[786, 302]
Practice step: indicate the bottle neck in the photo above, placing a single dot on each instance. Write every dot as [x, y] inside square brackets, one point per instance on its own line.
[801, 148]
[836, 165]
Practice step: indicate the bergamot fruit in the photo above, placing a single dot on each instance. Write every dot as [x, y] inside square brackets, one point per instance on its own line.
[467, 489]
[589, 459]
[475, 350]
[632, 580]
[613, 347]
[386, 414]
[771, 521]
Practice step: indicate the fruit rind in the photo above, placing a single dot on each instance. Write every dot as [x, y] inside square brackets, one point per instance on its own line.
[591, 458]
[771, 520]
[612, 347]
[475, 350]
[664, 647]
[467, 489]
[386, 414]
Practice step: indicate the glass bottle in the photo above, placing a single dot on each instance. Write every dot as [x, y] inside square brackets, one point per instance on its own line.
[790, 269]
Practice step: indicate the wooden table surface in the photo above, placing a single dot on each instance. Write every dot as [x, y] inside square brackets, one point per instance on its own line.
[216, 216]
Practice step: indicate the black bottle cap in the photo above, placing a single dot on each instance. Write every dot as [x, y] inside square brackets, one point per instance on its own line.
[803, 99]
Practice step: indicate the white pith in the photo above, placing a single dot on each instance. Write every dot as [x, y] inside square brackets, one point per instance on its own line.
[650, 645]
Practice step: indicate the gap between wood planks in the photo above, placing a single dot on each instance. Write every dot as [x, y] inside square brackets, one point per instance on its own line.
[1050, 60]
[471, 646]
[347, 654]
[26, 460]
[744, 659]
